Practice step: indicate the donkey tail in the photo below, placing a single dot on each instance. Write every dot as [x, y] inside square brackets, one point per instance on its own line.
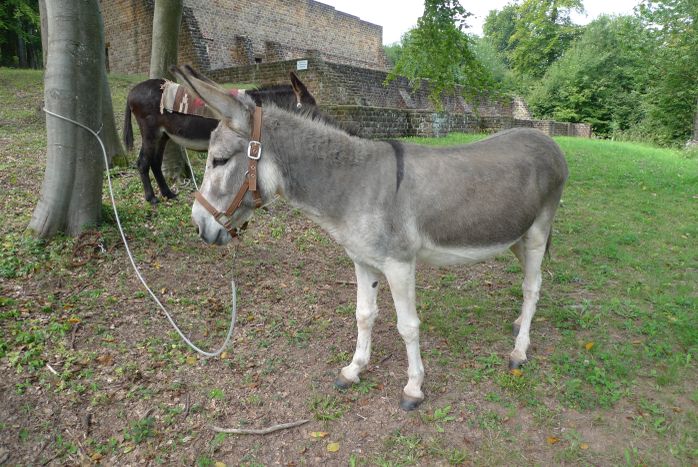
[128, 130]
[549, 242]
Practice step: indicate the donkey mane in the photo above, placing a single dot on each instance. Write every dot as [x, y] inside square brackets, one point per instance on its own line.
[332, 144]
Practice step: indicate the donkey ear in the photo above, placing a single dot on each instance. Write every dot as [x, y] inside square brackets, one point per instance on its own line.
[300, 90]
[189, 69]
[226, 107]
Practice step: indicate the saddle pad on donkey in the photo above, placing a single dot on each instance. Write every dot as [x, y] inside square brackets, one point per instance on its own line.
[175, 98]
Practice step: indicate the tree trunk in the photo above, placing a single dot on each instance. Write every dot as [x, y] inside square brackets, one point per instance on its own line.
[21, 47]
[167, 19]
[695, 124]
[116, 152]
[71, 194]
[44, 31]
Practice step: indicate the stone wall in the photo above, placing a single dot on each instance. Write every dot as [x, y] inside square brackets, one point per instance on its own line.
[225, 33]
[375, 122]
[341, 84]
[357, 99]
[128, 32]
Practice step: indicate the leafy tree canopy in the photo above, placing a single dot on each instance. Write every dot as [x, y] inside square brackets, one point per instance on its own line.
[673, 70]
[599, 80]
[19, 28]
[439, 51]
[542, 32]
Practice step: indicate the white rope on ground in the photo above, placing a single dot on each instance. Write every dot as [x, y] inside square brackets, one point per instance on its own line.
[191, 170]
[233, 313]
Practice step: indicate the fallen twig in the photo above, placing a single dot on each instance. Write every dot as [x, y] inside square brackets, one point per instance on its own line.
[264, 431]
[50, 368]
[186, 407]
[72, 339]
[148, 413]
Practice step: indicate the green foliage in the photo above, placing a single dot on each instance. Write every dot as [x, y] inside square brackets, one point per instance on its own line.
[498, 28]
[629, 77]
[327, 408]
[673, 70]
[542, 32]
[495, 63]
[393, 52]
[20, 35]
[599, 80]
[439, 51]
[140, 430]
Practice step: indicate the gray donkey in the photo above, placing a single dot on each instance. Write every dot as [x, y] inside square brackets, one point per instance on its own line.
[388, 204]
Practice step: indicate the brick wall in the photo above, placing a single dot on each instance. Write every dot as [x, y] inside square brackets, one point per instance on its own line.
[128, 32]
[374, 122]
[341, 84]
[217, 34]
[357, 99]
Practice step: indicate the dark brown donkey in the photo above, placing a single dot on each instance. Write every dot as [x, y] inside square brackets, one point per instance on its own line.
[191, 131]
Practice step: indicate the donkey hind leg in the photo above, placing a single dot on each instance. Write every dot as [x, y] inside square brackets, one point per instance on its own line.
[518, 250]
[366, 312]
[533, 250]
[144, 157]
[401, 278]
[156, 167]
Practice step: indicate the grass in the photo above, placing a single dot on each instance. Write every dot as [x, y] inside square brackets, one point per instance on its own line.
[615, 339]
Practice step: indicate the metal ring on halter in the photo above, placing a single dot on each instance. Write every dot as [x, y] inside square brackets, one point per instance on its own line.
[259, 149]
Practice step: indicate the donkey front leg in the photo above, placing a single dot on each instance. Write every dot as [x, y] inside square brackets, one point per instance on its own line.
[401, 278]
[366, 312]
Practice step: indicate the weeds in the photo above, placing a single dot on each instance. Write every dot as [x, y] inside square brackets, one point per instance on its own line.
[327, 407]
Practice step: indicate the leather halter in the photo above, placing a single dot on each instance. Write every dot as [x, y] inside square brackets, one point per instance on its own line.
[254, 152]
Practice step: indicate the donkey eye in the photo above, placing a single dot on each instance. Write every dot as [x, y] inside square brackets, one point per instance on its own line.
[217, 162]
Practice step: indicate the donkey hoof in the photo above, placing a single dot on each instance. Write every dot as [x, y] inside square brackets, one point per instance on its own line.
[515, 329]
[154, 201]
[170, 195]
[515, 364]
[342, 383]
[409, 403]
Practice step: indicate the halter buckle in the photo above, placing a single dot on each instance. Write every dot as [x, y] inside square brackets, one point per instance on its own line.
[252, 147]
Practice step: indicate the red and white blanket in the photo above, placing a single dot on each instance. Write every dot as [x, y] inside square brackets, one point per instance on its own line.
[176, 98]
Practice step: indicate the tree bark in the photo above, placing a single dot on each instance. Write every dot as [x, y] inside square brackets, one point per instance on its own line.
[167, 19]
[695, 124]
[44, 31]
[21, 47]
[71, 194]
[116, 152]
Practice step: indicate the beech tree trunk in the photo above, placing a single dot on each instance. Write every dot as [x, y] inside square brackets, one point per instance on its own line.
[44, 31]
[167, 19]
[71, 194]
[116, 152]
[695, 124]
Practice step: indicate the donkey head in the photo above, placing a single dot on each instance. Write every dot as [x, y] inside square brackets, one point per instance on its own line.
[227, 163]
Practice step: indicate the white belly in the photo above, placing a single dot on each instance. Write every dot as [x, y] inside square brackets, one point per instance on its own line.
[447, 256]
